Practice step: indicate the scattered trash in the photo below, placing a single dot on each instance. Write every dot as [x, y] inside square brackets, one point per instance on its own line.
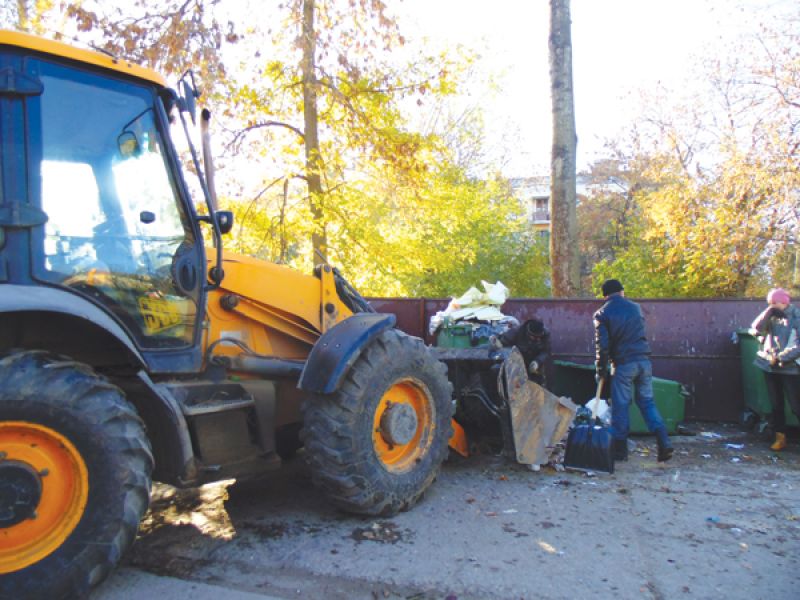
[734, 446]
[706, 455]
[510, 511]
[712, 519]
[677, 474]
[710, 435]
[535, 468]
[736, 459]
[380, 531]
[490, 514]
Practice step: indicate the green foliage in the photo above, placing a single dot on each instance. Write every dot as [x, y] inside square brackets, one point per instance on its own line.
[398, 212]
[446, 239]
[717, 202]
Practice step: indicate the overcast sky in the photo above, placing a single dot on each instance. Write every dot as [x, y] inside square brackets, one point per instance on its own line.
[619, 47]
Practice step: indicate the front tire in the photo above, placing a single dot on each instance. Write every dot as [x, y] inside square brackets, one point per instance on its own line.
[377, 443]
[75, 477]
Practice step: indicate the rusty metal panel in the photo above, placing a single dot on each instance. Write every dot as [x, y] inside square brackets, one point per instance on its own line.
[692, 340]
[409, 313]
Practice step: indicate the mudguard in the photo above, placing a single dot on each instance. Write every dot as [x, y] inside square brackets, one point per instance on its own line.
[18, 298]
[338, 348]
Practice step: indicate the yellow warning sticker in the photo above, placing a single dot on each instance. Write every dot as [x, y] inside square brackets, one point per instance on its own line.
[159, 314]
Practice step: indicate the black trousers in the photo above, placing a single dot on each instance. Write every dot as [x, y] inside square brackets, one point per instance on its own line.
[777, 385]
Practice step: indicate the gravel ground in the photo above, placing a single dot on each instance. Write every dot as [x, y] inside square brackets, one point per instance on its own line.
[721, 520]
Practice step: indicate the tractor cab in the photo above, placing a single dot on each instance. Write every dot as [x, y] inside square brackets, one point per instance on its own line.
[91, 196]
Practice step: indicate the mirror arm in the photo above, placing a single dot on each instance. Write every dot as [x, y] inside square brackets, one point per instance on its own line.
[216, 272]
[208, 158]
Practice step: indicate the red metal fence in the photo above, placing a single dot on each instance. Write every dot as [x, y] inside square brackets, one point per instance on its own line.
[693, 341]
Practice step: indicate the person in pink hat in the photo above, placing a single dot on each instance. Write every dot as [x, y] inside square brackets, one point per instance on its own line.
[778, 329]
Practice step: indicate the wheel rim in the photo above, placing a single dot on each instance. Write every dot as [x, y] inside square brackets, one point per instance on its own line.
[407, 400]
[34, 453]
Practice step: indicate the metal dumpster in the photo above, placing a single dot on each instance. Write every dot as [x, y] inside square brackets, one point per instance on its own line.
[577, 382]
[756, 398]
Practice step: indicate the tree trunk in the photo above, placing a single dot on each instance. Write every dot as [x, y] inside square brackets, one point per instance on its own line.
[564, 265]
[319, 238]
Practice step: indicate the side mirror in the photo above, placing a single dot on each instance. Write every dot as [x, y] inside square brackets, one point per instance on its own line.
[188, 95]
[224, 220]
[128, 145]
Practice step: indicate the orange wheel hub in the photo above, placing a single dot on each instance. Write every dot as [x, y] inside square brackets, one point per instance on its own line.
[403, 425]
[44, 488]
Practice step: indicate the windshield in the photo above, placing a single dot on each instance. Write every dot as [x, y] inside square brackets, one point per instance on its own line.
[116, 230]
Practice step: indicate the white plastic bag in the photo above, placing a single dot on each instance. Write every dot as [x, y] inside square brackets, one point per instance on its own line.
[603, 410]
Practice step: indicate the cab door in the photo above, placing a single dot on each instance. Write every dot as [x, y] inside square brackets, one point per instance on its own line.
[120, 230]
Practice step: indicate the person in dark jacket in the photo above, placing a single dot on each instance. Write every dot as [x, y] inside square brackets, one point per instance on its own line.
[778, 329]
[533, 341]
[622, 350]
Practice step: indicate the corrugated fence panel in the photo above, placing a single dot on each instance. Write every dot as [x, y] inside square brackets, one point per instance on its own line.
[692, 340]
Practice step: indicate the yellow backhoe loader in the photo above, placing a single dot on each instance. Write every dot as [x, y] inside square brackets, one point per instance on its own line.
[128, 352]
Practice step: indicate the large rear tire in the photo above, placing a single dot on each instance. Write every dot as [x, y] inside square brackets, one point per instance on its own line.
[74, 477]
[377, 443]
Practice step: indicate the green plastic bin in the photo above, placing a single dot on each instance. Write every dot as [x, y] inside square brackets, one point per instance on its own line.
[454, 336]
[754, 388]
[577, 382]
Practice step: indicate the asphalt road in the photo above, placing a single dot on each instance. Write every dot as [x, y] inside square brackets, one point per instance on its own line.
[718, 521]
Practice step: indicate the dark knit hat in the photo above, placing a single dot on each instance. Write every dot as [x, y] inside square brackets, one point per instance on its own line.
[611, 286]
[534, 327]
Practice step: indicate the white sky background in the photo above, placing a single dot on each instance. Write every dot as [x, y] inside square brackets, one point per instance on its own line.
[619, 48]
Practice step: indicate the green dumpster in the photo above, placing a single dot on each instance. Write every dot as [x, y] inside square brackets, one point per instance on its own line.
[753, 386]
[577, 382]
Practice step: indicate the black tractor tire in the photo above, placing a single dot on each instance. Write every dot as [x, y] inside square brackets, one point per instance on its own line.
[358, 471]
[68, 401]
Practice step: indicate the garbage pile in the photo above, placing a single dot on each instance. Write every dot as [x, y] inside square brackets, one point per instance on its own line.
[473, 318]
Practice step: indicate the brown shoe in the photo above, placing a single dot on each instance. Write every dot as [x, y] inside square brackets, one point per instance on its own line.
[780, 442]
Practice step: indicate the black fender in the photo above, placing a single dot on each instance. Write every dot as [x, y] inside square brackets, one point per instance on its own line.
[47, 300]
[338, 348]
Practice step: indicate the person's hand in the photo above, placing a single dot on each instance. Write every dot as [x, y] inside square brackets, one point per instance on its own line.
[533, 367]
[774, 361]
